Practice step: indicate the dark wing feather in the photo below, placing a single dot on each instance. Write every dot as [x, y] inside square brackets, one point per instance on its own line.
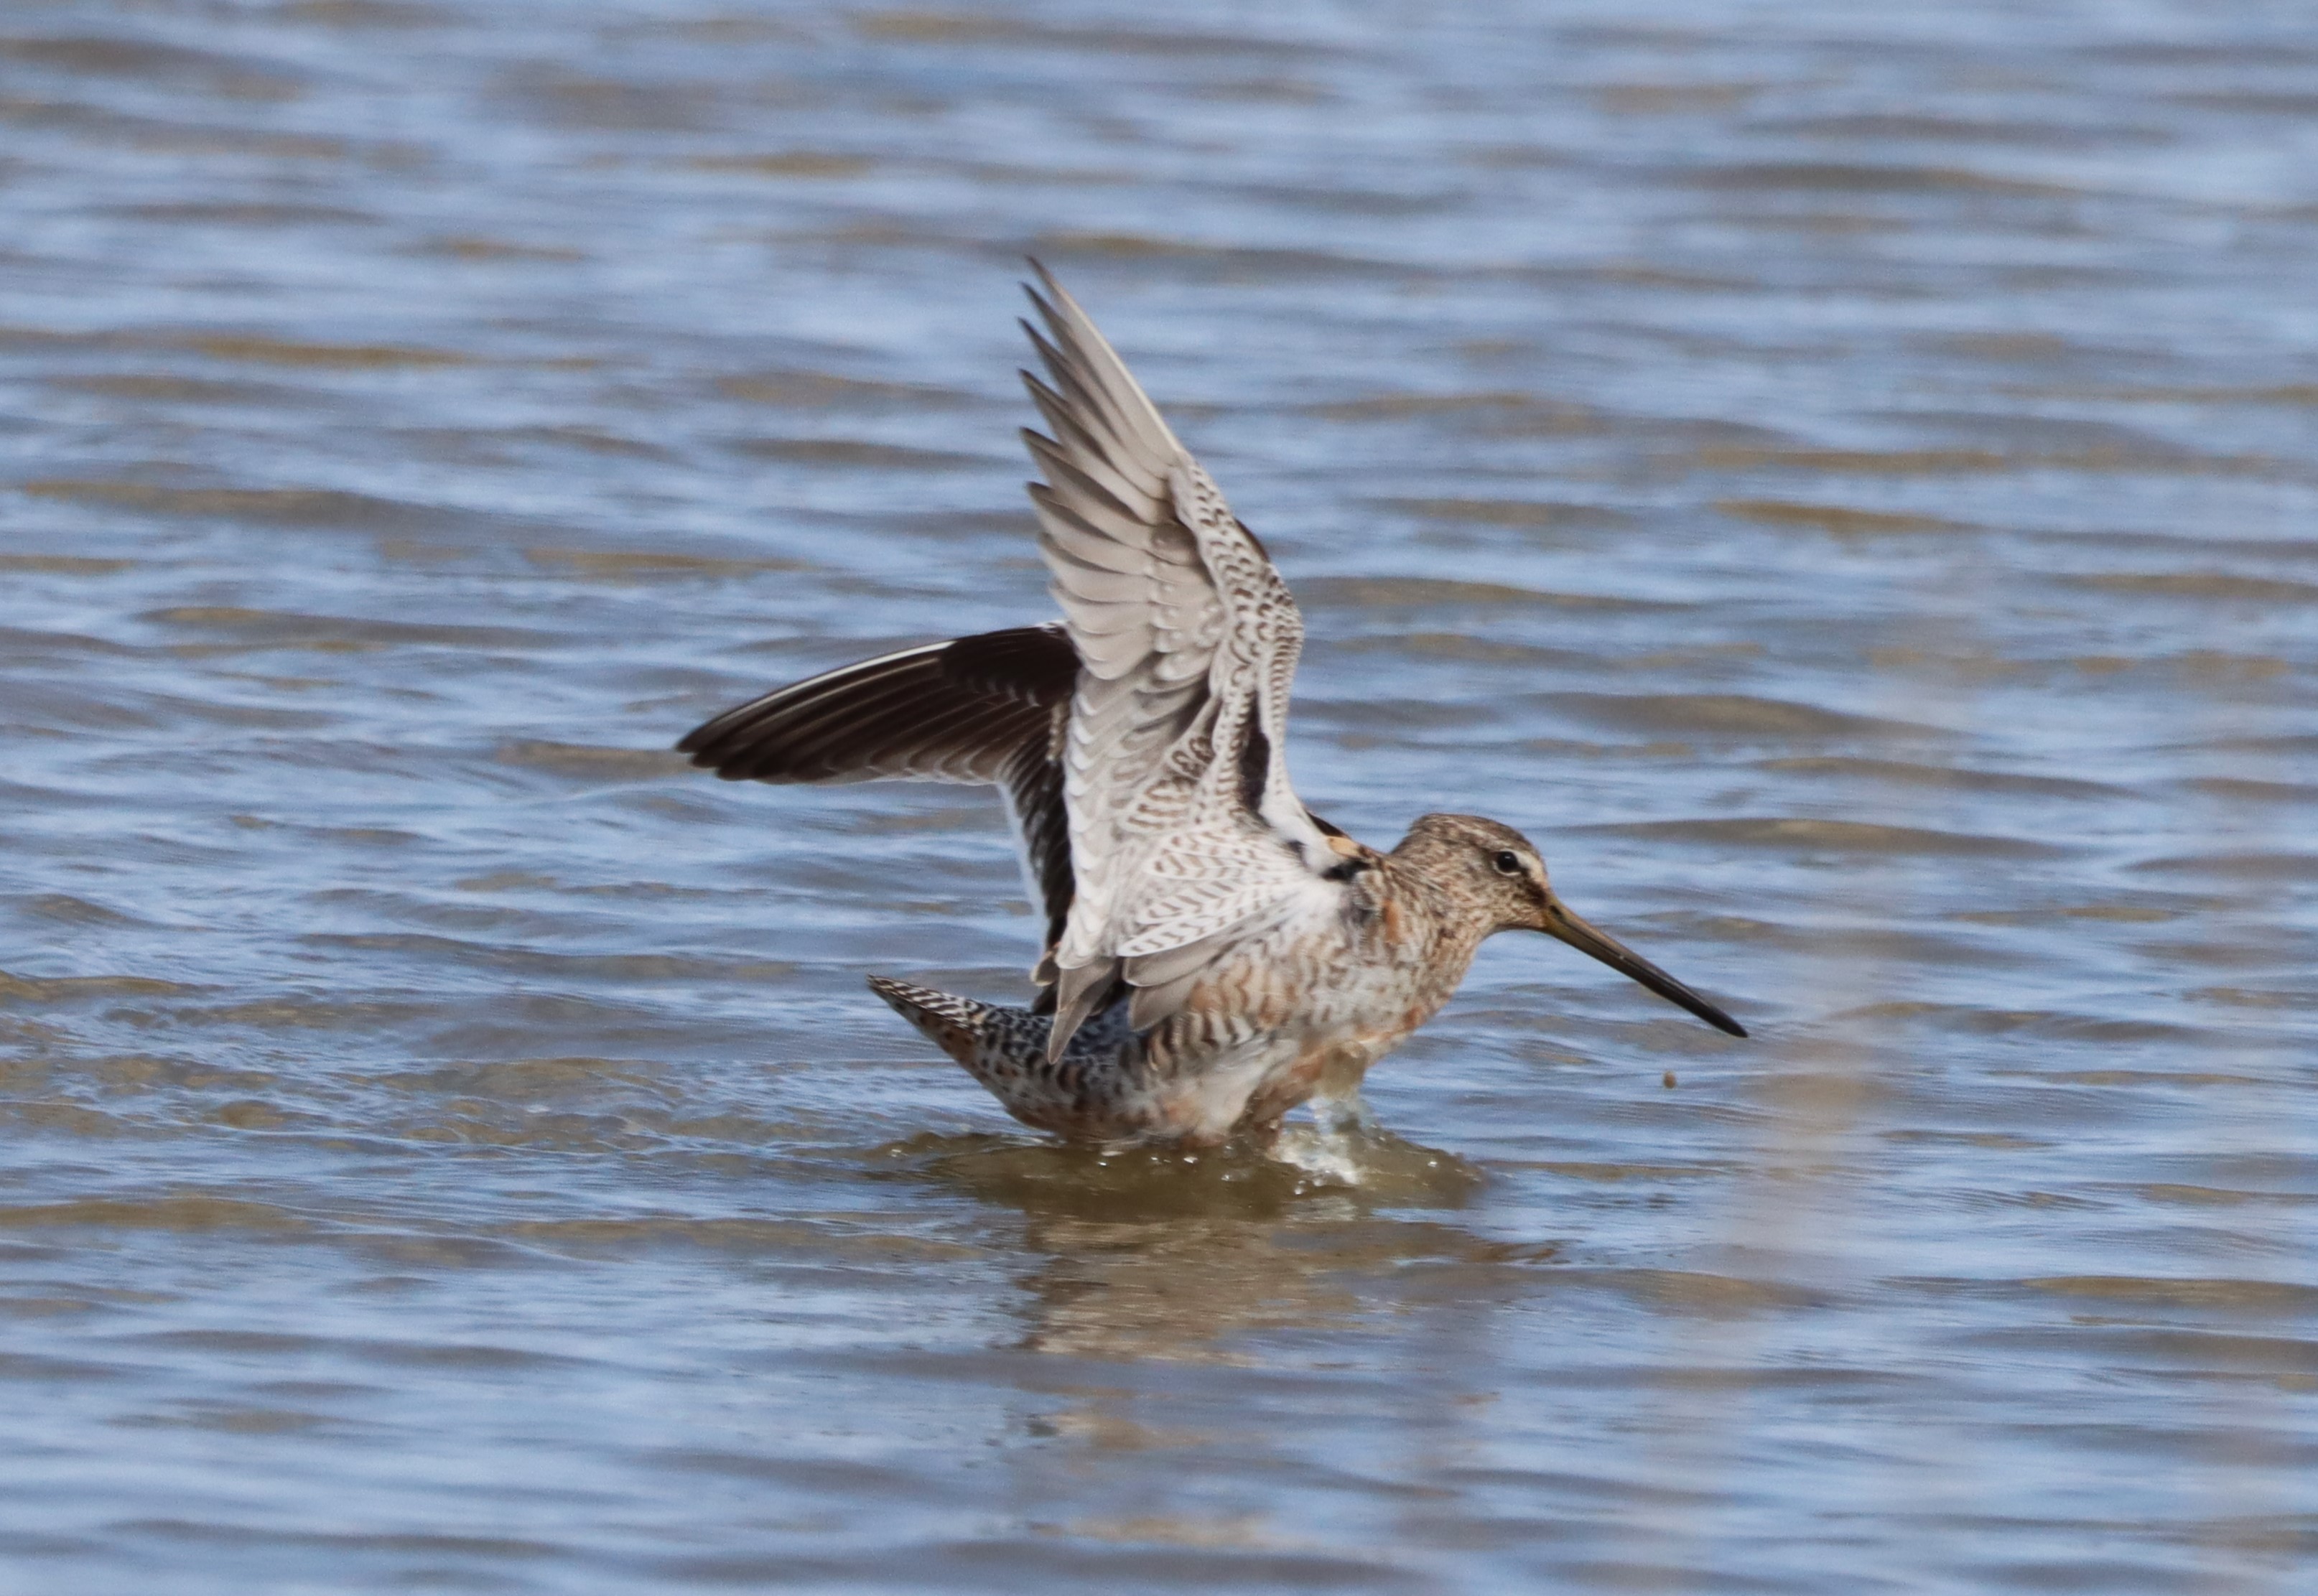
[1034, 663]
[951, 710]
[1033, 785]
[976, 709]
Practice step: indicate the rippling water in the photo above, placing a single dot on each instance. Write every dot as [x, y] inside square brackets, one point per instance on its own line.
[1840, 476]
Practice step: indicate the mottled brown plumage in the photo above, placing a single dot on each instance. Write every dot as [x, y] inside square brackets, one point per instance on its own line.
[1280, 1017]
[1215, 954]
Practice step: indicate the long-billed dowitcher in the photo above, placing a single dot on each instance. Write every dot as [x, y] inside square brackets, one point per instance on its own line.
[1215, 952]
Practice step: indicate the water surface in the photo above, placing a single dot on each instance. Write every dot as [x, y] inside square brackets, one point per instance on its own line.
[1839, 476]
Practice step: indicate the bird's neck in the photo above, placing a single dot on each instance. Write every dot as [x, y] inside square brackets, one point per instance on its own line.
[1426, 915]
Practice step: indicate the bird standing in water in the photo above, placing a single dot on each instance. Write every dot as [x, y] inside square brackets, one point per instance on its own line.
[1216, 955]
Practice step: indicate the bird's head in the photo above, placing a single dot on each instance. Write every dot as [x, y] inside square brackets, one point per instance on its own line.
[1496, 875]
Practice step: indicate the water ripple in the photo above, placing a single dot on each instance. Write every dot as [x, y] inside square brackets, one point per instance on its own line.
[1840, 478]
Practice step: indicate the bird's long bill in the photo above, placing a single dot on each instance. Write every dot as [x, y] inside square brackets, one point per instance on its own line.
[1562, 924]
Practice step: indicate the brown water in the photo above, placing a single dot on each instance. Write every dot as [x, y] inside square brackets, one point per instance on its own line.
[1840, 476]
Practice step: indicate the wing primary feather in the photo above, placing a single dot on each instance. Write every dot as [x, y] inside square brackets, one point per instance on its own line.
[1065, 476]
[1099, 410]
[1037, 664]
[1076, 441]
[1072, 375]
[1090, 500]
[862, 718]
[1100, 516]
[916, 712]
[1076, 330]
[718, 727]
[965, 745]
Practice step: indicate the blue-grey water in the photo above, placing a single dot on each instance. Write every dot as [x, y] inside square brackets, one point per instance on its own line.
[1842, 476]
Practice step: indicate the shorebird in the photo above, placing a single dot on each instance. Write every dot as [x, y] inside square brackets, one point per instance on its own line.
[1216, 953]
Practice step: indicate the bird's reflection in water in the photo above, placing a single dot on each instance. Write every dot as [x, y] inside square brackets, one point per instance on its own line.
[1161, 1255]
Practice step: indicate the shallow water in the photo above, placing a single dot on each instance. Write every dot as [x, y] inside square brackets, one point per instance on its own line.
[1840, 477]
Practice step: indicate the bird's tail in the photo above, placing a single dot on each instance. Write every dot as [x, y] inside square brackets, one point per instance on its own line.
[958, 1026]
[1095, 1092]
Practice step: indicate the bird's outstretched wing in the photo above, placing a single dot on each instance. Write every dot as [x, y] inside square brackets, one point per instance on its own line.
[987, 708]
[1185, 836]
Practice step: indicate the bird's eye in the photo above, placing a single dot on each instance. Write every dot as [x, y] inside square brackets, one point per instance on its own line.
[1508, 863]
